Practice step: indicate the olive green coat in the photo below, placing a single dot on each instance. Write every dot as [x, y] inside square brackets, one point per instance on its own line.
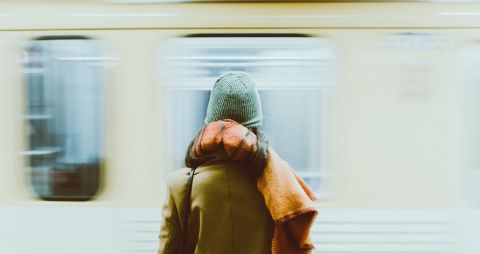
[228, 213]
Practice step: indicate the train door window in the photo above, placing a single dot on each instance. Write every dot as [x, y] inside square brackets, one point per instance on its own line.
[294, 75]
[64, 129]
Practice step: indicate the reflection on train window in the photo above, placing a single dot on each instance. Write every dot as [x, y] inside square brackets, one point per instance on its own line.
[64, 86]
[295, 79]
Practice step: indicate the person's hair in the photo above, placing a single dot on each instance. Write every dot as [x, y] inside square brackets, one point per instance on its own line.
[260, 159]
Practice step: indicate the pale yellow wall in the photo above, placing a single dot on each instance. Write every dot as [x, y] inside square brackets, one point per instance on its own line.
[12, 172]
[86, 15]
[397, 126]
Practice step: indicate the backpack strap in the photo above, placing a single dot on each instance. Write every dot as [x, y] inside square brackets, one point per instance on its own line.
[186, 210]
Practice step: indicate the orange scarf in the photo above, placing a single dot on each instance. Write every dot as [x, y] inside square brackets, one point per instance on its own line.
[287, 196]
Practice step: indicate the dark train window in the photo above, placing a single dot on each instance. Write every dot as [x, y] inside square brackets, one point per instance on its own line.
[64, 116]
[288, 68]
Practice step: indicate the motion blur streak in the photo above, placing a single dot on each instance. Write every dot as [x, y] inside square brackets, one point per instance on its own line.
[374, 104]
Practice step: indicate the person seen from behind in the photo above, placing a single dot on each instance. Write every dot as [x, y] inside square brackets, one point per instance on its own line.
[236, 196]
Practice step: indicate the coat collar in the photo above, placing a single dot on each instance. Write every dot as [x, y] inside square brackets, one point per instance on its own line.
[214, 157]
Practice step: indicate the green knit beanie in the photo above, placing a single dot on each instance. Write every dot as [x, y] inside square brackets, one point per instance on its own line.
[234, 96]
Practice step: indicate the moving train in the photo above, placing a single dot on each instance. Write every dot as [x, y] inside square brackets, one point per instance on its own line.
[374, 104]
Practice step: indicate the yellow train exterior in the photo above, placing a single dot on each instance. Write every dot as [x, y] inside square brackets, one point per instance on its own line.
[393, 152]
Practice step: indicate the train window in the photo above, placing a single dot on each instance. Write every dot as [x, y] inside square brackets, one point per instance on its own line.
[64, 87]
[295, 78]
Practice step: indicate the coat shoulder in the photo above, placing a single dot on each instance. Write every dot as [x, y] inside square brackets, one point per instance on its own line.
[178, 178]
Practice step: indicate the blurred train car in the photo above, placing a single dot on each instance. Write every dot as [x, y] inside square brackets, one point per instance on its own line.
[375, 104]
